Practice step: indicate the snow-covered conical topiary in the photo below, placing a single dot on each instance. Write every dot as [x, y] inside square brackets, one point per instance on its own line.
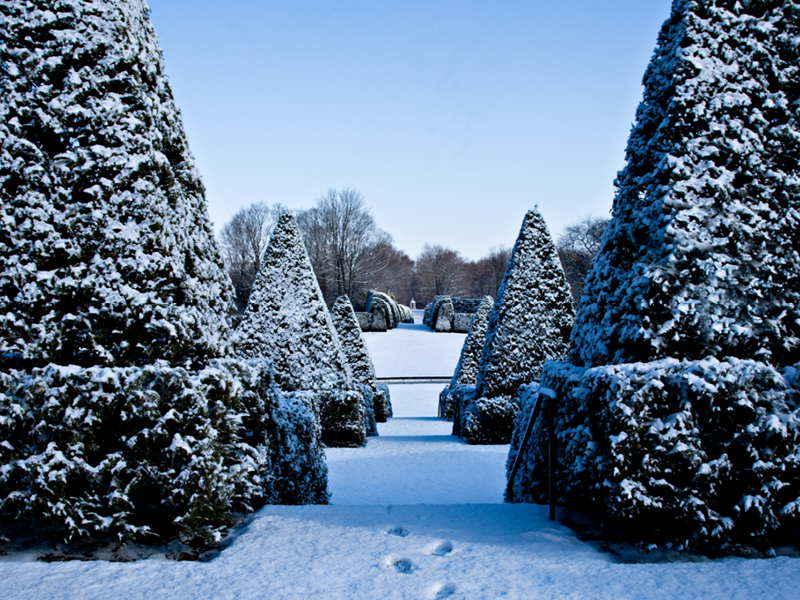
[530, 323]
[668, 427]
[287, 322]
[355, 350]
[466, 372]
[701, 257]
[531, 320]
[107, 256]
[118, 416]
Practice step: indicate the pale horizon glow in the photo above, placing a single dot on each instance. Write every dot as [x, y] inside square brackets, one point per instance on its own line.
[452, 118]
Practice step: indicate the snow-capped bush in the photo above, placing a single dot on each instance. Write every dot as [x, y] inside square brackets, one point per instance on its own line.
[108, 264]
[466, 372]
[676, 433]
[357, 354]
[382, 403]
[107, 255]
[444, 316]
[530, 322]
[690, 453]
[701, 257]
[462, 322]
[137, 452]
[287, 322]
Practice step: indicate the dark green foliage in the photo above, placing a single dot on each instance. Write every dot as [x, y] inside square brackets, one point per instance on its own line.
[529, 323]
[701, 256]
[531, 320]
[136, 453]
[106, 253]
[699, 454]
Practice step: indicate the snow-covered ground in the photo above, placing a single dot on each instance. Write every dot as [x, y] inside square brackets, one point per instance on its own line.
[415, 514]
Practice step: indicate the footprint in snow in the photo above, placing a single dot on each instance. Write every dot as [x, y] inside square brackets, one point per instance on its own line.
[439, 548]
[441, 590]
[399, 531]
[399, 564]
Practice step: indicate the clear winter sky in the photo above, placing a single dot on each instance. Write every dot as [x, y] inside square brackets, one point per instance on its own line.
[451, 117]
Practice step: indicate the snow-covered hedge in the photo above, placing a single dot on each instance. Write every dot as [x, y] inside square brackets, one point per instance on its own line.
[701, 255]
[382, 403]
[288, 322]
[462, 322]
[443, 316]
[529, 323]
[481, 420]
[133, 452]
[466, 372]
[107, 255]
[689, 453]
[358, 358]
[383, 313]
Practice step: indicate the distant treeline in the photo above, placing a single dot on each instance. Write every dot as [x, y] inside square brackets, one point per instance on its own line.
[352, 255]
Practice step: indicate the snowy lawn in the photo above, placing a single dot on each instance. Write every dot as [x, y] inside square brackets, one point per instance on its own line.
[415, 514]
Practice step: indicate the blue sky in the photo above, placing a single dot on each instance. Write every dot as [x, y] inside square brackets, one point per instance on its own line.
[452, 118]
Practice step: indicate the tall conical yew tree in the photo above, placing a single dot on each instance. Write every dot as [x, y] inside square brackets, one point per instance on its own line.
[287, 321]
[114, 299]
[674, 420]
[702, 257]
[531, 320]
[107, 255]
[529, 323]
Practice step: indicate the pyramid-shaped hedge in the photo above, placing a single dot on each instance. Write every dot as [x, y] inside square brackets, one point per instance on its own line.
[530, 322]
[107, 256]
[287, 322]
[677, 419]
[119, 415]
[466, 373]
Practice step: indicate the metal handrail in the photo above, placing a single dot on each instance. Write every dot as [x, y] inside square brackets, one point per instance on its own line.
[551, 448]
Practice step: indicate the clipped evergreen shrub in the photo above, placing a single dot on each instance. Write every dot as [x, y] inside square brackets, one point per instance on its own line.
[674, 419]
[444, 316]
[695, 454]
[287, 322]
[119, 415]
[701, 255]
[530, 322]
[107, 255]
[357, 354]
[466, 372]
[137, 453]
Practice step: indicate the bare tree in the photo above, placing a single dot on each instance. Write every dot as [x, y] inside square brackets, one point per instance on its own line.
[244, 239]
[343, 243]
[396, 273]
[577, 247]
[486, 274]
[439, 271]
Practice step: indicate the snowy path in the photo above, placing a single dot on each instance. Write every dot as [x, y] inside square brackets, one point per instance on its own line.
[415, 515]
[415, 460]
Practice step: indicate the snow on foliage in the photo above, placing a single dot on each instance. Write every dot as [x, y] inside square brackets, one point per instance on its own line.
[531, 319]
[701, 256]
[353, 344]
[136, 453]
[287, 322]
[529, 323]
[355, 350]
[690, 453]
[108, 264]
[676, 423]
[107, 256]
[466, 372]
